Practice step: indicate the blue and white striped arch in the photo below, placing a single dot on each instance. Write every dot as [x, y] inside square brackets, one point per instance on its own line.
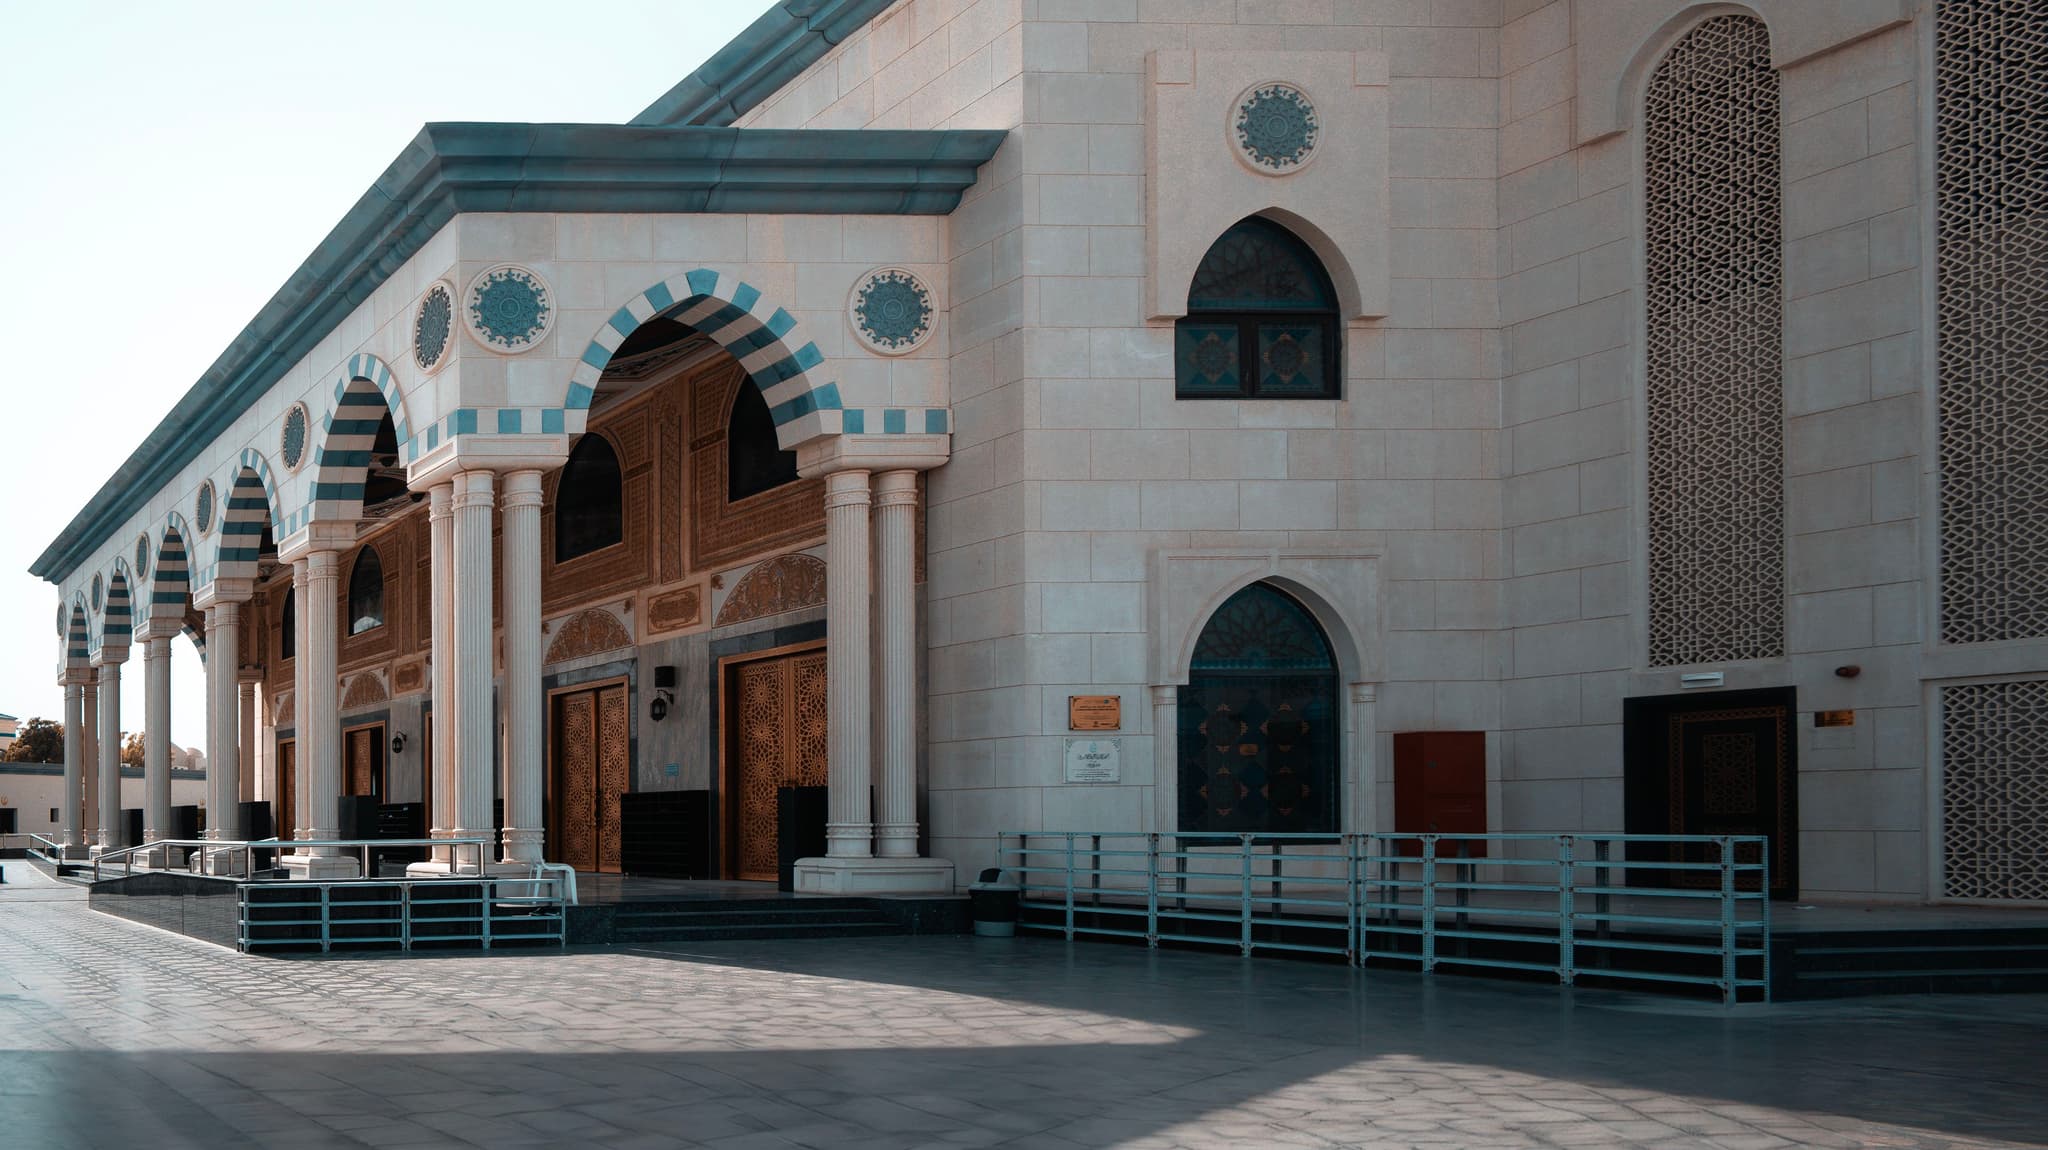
[251, 504]
[109, 641]
[77, 642]
[171, 585]
[341, 466]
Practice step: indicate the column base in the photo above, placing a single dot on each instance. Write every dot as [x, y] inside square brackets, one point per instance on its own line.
[440, 868]
[896, 840]
[71, 851]
[522, 847]
[317, 868]
[873, 876]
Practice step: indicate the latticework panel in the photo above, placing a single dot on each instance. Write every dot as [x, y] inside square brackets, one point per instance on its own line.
[1994, 790]
[1716, 445]
[1991, 172]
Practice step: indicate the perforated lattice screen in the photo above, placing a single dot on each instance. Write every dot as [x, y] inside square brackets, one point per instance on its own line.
[1991, 121]
[1994, 790]
[1715, 448]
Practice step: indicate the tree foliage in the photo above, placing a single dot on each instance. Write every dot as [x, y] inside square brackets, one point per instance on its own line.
[38, 741]
[131, 749]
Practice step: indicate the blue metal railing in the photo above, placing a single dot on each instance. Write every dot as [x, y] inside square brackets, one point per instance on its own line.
[1559, 904]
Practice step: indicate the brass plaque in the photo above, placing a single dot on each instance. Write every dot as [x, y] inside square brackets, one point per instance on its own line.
[1095, 712]
[1834, 718]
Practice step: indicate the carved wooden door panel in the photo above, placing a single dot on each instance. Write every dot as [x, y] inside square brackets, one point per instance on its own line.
[779, 741]
[285, 816]
[573, 837]
[591, 745]
[360, 747]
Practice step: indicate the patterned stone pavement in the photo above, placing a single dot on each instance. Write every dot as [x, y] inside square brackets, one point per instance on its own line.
[113, 1034]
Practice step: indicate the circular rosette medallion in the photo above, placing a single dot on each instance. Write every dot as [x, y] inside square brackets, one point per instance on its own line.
[202, 508]
[432, 323]
[508, 309]
[291, 445]
[1275, 128]
[892, 311]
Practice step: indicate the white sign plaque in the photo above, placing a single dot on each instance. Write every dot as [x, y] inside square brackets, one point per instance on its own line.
[1095, 760]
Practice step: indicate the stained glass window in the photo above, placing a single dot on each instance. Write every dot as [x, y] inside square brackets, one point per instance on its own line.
[590, 502]
[1262, 320]
[1258, 721]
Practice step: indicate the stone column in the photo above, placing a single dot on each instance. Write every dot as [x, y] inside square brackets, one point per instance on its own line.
[302, 790]
[223, 756]
[74, 760]
[110, 755]
[1166, 759]
[156, 737]
[472, 610]
[849, 829]
[245, 705]
[1361, 762]
[441, 665]
[895, 620]
[318, 721]
[522, 693]
[89, 761]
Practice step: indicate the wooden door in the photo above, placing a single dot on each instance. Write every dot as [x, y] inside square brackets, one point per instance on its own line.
[1440, 787]
[777, 719]
[285, 816]
[362, 760]
[1717, 764]
[591, 752]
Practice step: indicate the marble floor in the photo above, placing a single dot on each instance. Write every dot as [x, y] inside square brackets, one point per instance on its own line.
[114, 1034]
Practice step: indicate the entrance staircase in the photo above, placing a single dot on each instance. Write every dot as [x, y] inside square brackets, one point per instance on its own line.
[723, 919]
[1844, 964]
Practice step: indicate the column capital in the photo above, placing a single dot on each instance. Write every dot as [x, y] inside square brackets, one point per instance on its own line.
[316, 564]
[522, 489]
[156, 628]
[896, 489]
[847, 489]
[473, 489]
[249, 674]
[224, 593]
[830, 453]
[76, 679]
[319, 535]
[111, 656]
[1163, 694]
[441, 499]
[1365, 692]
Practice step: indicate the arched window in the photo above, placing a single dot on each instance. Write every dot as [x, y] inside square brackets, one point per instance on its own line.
[1258, 721]
[754, 460]
[588, 515]
[1262, 320]
[366, 593]
[288, 625]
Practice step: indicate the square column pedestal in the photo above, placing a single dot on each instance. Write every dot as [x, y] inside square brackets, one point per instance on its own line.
[874, 876]
[315, 868]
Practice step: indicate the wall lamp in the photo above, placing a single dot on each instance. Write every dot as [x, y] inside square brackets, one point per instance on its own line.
[664, 693]
[398, 744]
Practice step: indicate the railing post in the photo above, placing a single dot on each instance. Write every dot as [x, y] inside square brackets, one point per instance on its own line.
[1728, 920]
[483, 898]
[1070, 886]
[1763, 906]
[405, 916]
[1244, 898]
[326, 921]
[1353, 863]
[1152, 889]
[1428, 904]
[1602, 850]
[1566, 926]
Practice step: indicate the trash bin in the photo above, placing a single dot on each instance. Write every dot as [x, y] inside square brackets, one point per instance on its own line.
[994, 905]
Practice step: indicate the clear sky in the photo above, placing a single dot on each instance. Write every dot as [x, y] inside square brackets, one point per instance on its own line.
[167, 166]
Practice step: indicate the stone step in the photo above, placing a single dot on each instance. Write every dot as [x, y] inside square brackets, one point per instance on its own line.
[764, 930]
[636, 920]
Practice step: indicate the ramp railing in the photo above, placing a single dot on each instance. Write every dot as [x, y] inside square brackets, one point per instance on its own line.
[1673, 909]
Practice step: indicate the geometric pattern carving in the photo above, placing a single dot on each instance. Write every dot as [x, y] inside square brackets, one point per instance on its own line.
[614, 770]
[409, 677]
[509, 309]
[724, 533]
[576, 817]
[588, 633]
[1994, 790]
[1991, 180]
[363, 690]
[431, 326]
[1713, 282]
[291, 445]
[779, 713]
[1728, 772]
[891, 311]
[1276, 128]
[784, 583]
[672, 610]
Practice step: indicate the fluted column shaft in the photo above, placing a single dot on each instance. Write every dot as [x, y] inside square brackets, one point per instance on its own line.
[849, 828]
[302, 791]
[223, 756]
[89, 763]
[895, 620]
[110, 755]
[156, 738]
[473, 741]
[245, 708]
[74, 761]
[318, 720]
[1165, 758]
[522, 693]
[441, 574]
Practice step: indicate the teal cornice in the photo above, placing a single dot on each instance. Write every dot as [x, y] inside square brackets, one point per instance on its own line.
[771, 52]
[453, 168]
